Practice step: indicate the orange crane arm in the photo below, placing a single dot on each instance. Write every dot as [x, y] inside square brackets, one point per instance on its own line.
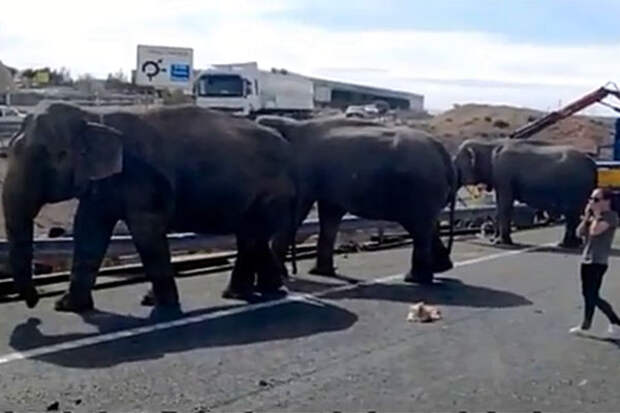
[536, 126]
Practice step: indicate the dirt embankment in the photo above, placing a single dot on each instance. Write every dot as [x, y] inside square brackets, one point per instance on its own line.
[485, 121]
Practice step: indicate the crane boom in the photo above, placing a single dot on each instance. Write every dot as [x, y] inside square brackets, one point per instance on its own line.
[536, 126]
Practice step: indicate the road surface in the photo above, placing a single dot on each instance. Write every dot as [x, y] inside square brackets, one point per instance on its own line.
[331, 346]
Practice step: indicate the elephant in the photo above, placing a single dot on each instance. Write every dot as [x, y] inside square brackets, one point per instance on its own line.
[553, 178]
[375, 172]
[180, 168]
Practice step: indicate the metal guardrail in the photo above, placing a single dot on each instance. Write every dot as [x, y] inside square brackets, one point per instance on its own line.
[469, 219]
[123, 244]
[9, 128]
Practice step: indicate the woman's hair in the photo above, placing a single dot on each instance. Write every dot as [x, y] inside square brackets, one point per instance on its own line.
[607, 194]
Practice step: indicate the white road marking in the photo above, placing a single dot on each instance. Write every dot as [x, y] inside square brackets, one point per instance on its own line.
[308, 298]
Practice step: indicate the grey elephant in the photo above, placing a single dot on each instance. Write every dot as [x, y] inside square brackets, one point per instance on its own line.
[557, 179]
[176, 169]
[375, 172]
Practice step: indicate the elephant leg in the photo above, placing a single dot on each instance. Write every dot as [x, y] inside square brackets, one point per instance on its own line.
[282, 240]
[148, 231]
[570, 239]
[269, 272]
[93, 226]
[422, 233]
[241, 283]
[505, 203]
[441, 255]
[329, 221]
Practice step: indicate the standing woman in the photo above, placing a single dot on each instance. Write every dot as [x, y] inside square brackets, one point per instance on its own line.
[597, 228]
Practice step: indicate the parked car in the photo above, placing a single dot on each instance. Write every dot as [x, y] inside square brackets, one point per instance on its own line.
[355, 112]
[10, 114]
[364, 111]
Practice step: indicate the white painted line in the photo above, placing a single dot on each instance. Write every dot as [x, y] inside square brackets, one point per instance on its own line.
[308, 298]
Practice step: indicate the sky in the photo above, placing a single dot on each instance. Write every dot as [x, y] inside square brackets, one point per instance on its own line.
[531, 53]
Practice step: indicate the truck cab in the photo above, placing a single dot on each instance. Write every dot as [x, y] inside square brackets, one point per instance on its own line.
[244, 90]
[231, 88]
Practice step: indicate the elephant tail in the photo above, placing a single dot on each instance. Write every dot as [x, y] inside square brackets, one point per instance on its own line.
[454, 182]
[452, 207]
[294, 220]
[293, 234]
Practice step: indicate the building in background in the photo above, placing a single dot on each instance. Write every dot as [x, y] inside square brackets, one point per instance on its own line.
[329, 93]
[245, 88]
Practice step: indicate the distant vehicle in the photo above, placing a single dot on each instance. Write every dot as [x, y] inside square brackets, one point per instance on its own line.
[245, 90]
[365, 111]
[355, 111]
[9, 114]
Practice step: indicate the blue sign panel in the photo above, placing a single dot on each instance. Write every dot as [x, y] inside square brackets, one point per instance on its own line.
[179, 72]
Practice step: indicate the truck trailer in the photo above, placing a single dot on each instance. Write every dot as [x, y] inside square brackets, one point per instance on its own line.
[243, 89]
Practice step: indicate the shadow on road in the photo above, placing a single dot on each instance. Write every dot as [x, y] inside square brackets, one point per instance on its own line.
[615, 252]
[287, 321]
[514, 246]
[446, 291]
[615, 341]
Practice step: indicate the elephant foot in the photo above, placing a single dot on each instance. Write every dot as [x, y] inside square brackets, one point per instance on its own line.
[503, 242]
[231, 293]
[570, 244]
[31, 296]
[148, 300]
[419, 277]
[166, 312]
[68, 303]
[324, 271]
[270, 286]
[273, 294]
[442, 265]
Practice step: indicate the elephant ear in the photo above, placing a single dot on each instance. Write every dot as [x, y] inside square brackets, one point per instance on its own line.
[100, 152]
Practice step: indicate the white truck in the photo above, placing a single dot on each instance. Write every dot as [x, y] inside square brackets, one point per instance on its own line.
[245, 90]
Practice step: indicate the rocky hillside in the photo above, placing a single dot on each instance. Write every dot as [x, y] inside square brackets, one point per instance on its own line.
[485, 121]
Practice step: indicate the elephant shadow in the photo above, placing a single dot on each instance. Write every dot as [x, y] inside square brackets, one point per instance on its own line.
[289, 320]
[445, 291]
[537, 248]
[514, 246]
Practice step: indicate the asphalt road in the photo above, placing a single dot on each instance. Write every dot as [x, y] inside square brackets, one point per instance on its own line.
[502, 345]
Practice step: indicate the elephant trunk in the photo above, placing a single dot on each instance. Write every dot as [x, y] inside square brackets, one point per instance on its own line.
[20, 207]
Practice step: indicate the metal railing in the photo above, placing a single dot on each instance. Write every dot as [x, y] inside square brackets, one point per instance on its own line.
[123, 244]
[468, 221]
